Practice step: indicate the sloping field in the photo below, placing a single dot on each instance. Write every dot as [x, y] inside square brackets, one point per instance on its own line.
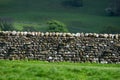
[89, 18]
[37, 70]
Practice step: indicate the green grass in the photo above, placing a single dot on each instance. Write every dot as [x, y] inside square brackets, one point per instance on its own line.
[37, 70]
[89, 18]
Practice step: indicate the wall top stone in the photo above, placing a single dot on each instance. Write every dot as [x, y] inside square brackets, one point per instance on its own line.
[57, 34]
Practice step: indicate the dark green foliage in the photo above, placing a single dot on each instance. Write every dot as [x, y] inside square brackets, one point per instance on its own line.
[73, 3]
[6, 24]
[56, 26]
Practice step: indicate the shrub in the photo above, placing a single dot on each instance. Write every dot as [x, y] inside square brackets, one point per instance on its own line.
[56, 26]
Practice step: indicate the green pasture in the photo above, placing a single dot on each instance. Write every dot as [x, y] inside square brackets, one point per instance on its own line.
[37, 70]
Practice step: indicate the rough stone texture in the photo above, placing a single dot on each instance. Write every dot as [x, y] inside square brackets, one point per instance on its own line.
[79, 47]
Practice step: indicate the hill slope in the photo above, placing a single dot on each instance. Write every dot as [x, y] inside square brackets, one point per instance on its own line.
[89, 18]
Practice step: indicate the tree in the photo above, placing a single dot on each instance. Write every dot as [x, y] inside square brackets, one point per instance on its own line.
[56, 26]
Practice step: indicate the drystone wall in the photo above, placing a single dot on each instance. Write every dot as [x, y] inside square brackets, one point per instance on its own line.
[79, 47]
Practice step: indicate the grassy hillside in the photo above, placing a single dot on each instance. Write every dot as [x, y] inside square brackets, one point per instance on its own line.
[89, 18]
[36, 70]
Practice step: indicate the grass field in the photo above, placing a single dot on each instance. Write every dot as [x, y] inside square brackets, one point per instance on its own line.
[37, 70]
[89, 18]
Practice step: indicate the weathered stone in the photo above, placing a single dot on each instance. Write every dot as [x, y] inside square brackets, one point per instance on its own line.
[117, 45]
[79, 47]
